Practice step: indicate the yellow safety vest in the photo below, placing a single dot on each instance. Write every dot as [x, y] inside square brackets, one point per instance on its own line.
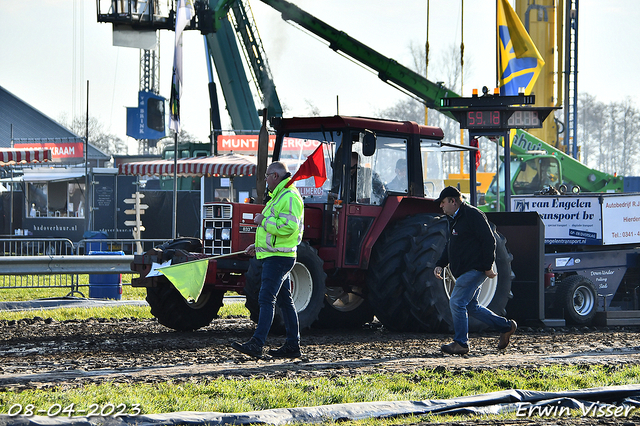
[281, 229]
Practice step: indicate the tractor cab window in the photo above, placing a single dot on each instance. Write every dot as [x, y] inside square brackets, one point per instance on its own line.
[433, 159]
[536, 174]
[297, 147]
[374, 177]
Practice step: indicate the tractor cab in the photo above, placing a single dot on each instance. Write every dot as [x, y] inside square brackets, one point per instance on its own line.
[377, 171]
[365, 163]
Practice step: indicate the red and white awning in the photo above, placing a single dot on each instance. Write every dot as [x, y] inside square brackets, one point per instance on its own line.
[221, 165]
[16, 156]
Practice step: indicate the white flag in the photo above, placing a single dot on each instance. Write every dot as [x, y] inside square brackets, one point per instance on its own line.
[185, 13]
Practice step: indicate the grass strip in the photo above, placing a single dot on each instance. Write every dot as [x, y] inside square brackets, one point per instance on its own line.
[117, 312]
[229, 395]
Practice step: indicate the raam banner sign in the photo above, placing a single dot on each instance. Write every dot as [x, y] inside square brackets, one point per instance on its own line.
[59, 150]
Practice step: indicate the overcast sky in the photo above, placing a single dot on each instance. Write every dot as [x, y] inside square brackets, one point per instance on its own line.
[38, 64]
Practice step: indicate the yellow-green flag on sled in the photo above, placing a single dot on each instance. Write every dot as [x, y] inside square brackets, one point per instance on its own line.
[187, 277]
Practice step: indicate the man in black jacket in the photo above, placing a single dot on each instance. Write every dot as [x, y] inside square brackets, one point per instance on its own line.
[470, 253]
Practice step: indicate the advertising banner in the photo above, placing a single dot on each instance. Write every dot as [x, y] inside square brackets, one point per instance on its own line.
[567, 220]
[621, 219]
[594, 219]
[59, 150]
[146, 121]
[248, 144]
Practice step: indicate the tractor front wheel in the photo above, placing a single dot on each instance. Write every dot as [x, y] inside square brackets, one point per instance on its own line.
[173, 311]
[168, 305]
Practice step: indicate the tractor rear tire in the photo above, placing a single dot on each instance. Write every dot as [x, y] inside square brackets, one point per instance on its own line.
[578, 297]
[403, 291]
[307, 288]
[173, 311]
[400, 276]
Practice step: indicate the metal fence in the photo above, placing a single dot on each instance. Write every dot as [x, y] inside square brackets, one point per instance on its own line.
[57, 262]
[128, 246]
[21, 246]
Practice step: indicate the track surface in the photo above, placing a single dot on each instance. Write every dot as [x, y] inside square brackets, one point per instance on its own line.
[36, 353]
[40, 353]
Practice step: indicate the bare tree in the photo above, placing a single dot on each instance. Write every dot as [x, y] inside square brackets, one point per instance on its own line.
[106, 142]
[447, 70]
[629, 125]
[608, 135]
[183, 137]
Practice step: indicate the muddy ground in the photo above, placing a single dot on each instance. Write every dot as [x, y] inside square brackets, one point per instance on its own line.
[41, 353]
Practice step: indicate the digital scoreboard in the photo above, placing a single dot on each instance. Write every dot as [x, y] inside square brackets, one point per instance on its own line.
[496, 113]
[496, 119]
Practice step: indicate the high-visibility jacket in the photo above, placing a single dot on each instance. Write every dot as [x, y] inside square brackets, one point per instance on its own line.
[281, 229]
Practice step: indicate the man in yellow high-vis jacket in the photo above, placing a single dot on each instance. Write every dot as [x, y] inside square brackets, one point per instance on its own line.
[279, 232]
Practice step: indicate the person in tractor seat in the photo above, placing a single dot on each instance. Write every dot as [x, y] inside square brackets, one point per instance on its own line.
[399, 183]
[279, 232]
[549, 173]
[470, 253]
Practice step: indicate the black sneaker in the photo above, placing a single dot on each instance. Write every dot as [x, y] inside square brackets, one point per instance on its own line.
[288, 350]
[251, 348]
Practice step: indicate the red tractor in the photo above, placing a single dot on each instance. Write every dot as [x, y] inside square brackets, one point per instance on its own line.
[373, 233]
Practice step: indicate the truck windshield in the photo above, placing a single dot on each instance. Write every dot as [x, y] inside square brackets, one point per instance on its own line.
[530, 175]
[514, 169]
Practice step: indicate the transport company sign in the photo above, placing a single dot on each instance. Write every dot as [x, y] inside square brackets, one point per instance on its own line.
[591, 219]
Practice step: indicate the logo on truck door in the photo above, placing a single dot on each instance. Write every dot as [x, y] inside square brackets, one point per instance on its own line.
[566, 261]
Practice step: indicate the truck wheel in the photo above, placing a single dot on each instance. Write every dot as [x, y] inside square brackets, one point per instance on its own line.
[343, 309]
[402, 290]
[307, 288]
[173, 311]
[578, 297]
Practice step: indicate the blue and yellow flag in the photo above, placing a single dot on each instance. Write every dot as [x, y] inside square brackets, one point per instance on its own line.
[519, 61]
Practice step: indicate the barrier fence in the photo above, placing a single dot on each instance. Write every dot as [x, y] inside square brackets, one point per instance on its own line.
[58, 263]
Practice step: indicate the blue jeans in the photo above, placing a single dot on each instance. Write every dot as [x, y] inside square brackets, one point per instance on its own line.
[275, 289]
[464, 302]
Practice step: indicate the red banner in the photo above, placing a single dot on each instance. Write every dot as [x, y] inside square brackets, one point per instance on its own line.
[58, 150]
[248, 144]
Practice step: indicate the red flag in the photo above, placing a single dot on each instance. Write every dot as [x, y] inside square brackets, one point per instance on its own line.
[312, 166]
[474, 142]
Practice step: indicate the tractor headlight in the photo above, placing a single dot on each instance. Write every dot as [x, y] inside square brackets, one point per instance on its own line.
[226, 234]
[208, 234]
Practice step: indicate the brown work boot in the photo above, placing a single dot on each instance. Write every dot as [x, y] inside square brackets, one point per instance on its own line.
[504, 337]
[455, 348]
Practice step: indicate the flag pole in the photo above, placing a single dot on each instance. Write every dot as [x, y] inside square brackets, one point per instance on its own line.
[174, 221]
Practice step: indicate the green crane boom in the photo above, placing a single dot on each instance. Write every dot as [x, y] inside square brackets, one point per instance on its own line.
[388, 70]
